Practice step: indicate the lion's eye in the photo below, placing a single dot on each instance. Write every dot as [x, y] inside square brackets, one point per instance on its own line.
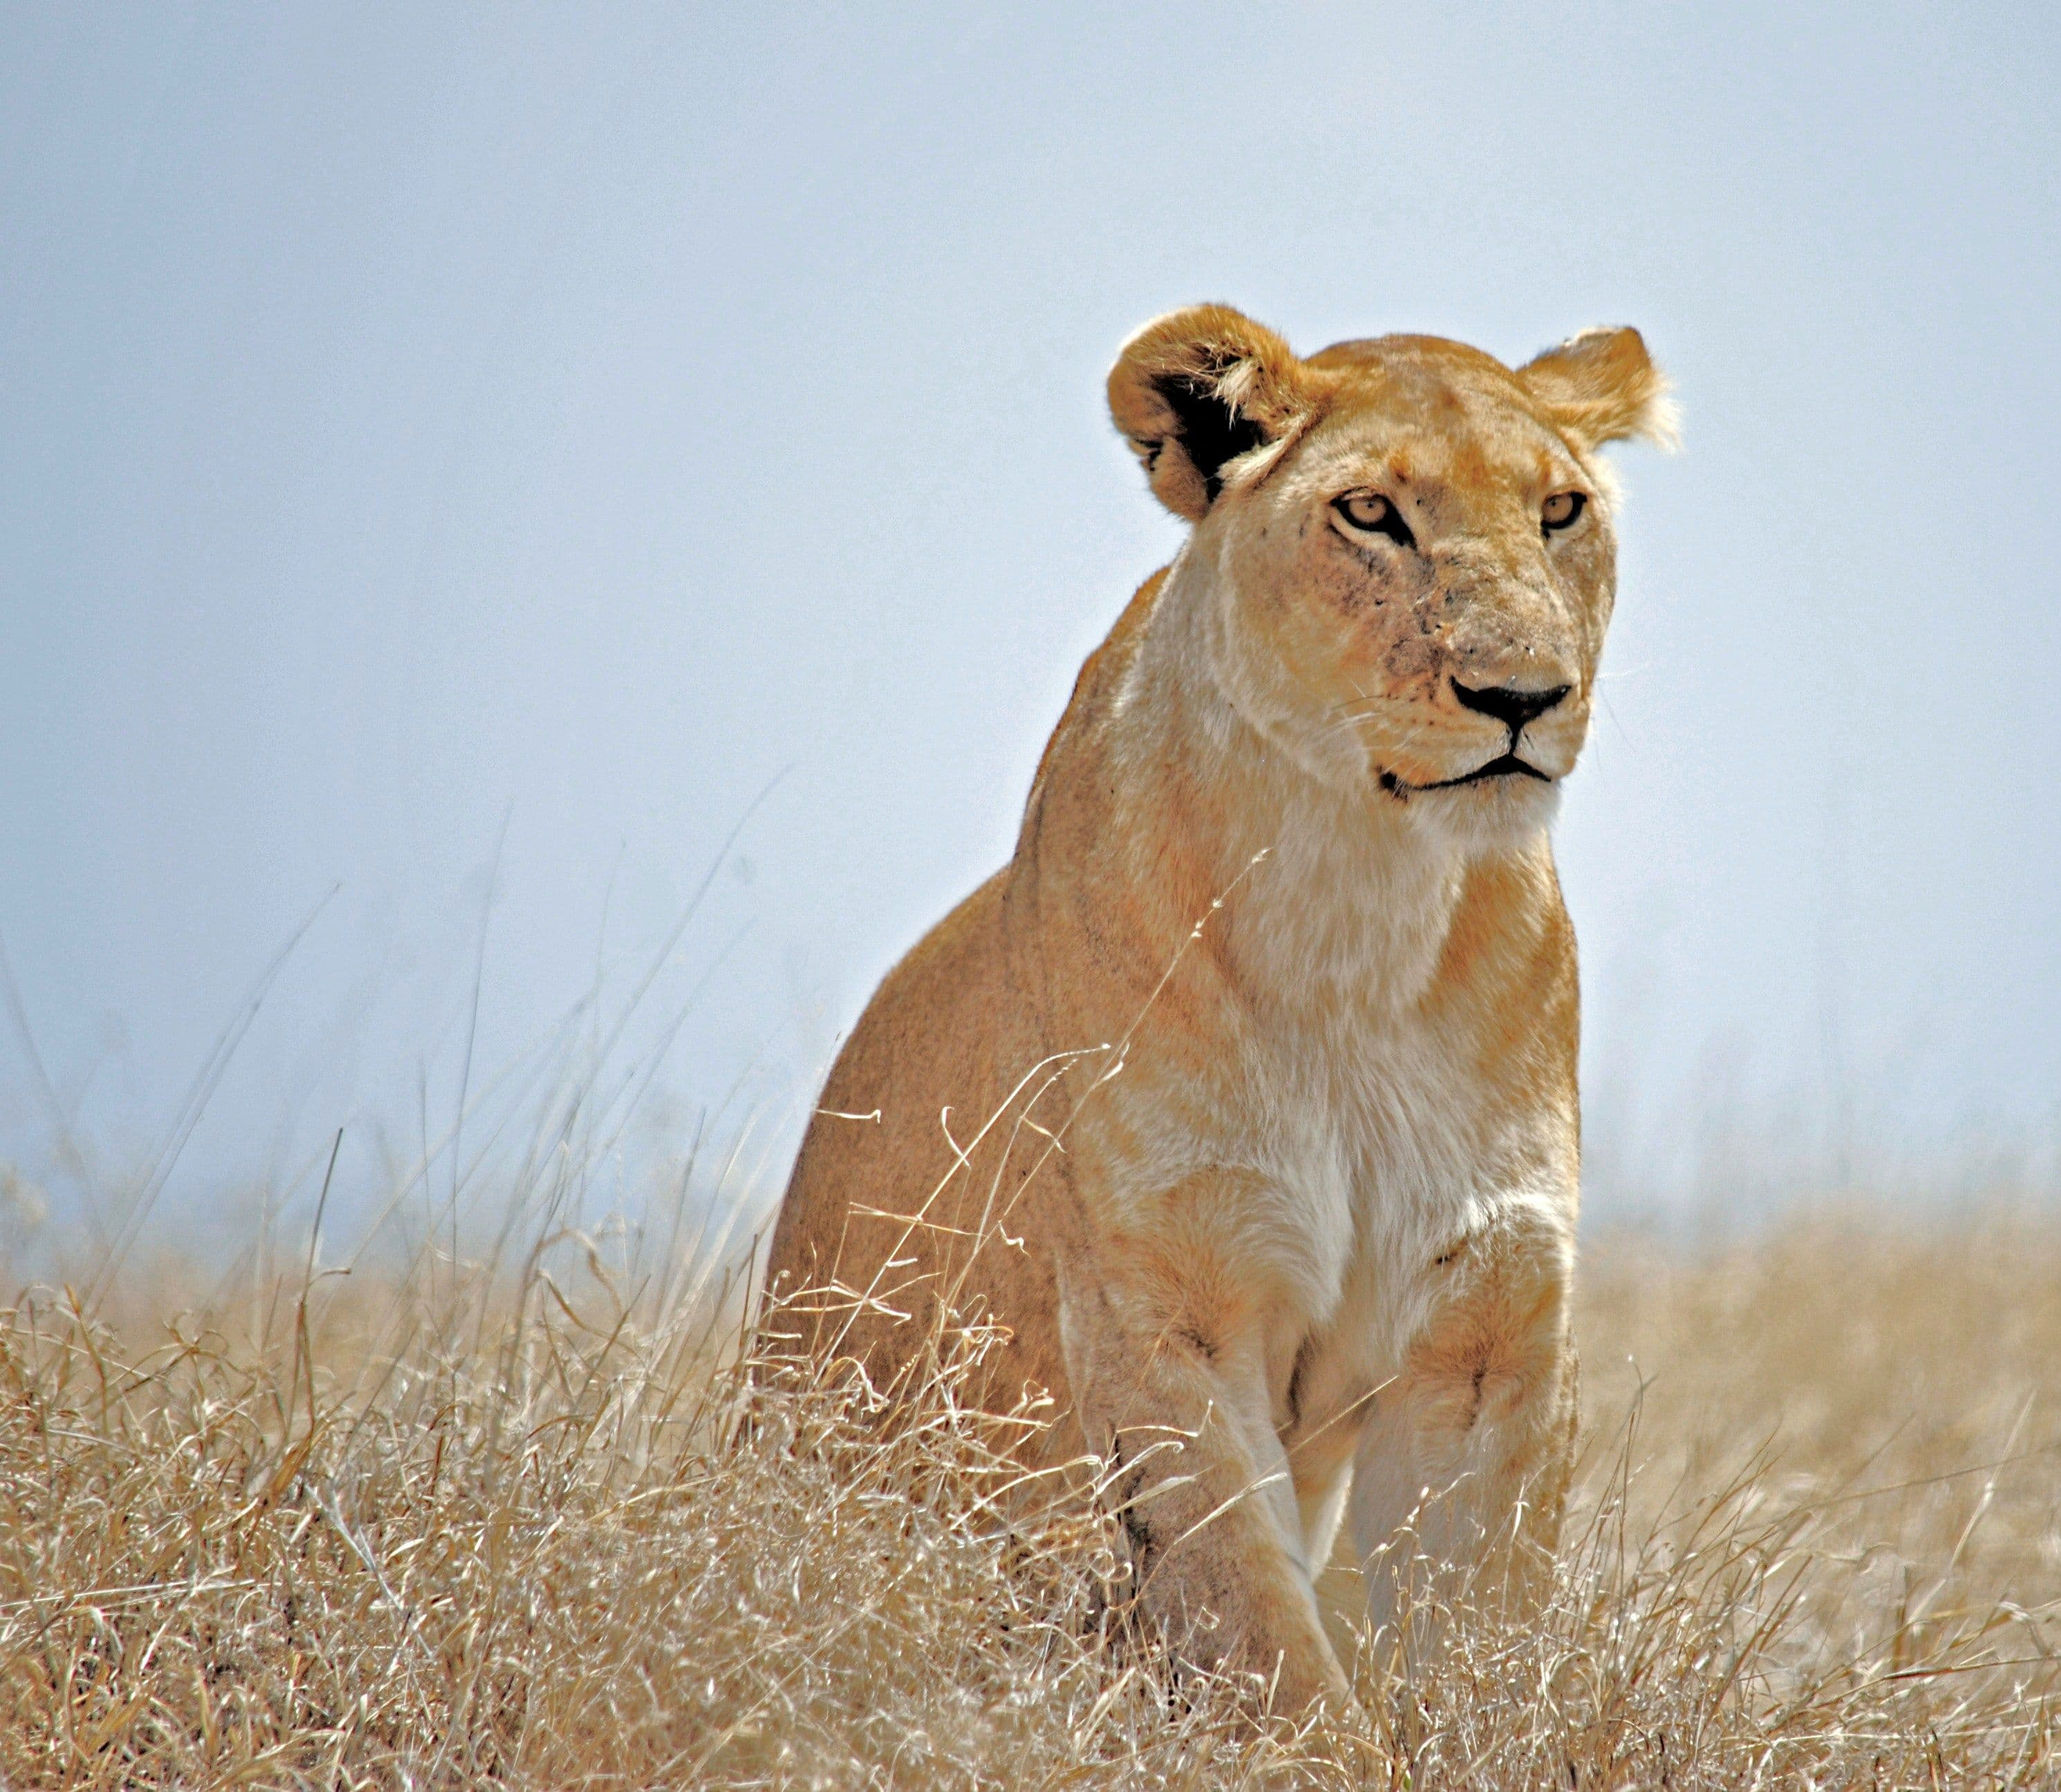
[1563, 510]
[1368, 513]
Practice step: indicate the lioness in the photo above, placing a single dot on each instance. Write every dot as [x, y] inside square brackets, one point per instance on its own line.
[1243, 1096]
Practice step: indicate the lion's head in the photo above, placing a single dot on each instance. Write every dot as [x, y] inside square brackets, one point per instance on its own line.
[1403, 557]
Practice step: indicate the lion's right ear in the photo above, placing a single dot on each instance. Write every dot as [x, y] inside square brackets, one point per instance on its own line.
[1194, 391]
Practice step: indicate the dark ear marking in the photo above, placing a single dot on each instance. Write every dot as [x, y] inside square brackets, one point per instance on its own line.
[1211, 432]
[1194, 389]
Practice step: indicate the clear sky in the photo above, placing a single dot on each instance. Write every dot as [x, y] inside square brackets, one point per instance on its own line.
[454, 451]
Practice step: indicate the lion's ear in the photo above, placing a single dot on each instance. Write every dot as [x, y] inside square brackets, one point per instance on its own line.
[1602, 387]
[1194, 391]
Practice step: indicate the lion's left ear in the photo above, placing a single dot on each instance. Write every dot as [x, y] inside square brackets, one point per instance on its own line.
[1602, 385]
[1193, 390]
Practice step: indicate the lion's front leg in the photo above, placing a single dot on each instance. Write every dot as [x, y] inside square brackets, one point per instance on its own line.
[1169, 1381]
[1463, 1464]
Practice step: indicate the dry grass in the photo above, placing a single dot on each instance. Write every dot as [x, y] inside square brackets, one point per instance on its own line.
[444, 1529]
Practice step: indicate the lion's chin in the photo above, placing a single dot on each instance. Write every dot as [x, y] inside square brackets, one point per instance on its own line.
[1486, 814]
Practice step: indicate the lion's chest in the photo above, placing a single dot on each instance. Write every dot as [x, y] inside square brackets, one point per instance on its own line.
[1374, 1152]
[1338, 1160]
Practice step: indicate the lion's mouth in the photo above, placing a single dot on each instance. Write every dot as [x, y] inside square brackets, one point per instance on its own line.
[1509, 766]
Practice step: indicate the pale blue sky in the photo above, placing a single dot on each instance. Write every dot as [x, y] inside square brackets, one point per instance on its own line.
[420, 420]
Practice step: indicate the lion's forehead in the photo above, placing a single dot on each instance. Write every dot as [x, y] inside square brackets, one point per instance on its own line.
[1430, 438]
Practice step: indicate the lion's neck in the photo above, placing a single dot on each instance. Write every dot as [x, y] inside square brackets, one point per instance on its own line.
[1335, 900]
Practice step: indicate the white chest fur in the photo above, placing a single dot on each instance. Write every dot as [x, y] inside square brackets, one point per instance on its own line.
[1341, 1129]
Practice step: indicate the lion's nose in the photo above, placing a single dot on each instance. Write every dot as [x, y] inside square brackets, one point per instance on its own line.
[1510, 706]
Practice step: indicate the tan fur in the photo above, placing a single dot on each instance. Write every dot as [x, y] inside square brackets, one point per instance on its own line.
[1244, 1096]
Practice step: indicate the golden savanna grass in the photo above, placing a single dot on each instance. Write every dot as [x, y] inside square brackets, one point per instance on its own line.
[447, 1525]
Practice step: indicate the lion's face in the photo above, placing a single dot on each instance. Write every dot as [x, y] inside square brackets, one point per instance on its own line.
[1409, 547]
